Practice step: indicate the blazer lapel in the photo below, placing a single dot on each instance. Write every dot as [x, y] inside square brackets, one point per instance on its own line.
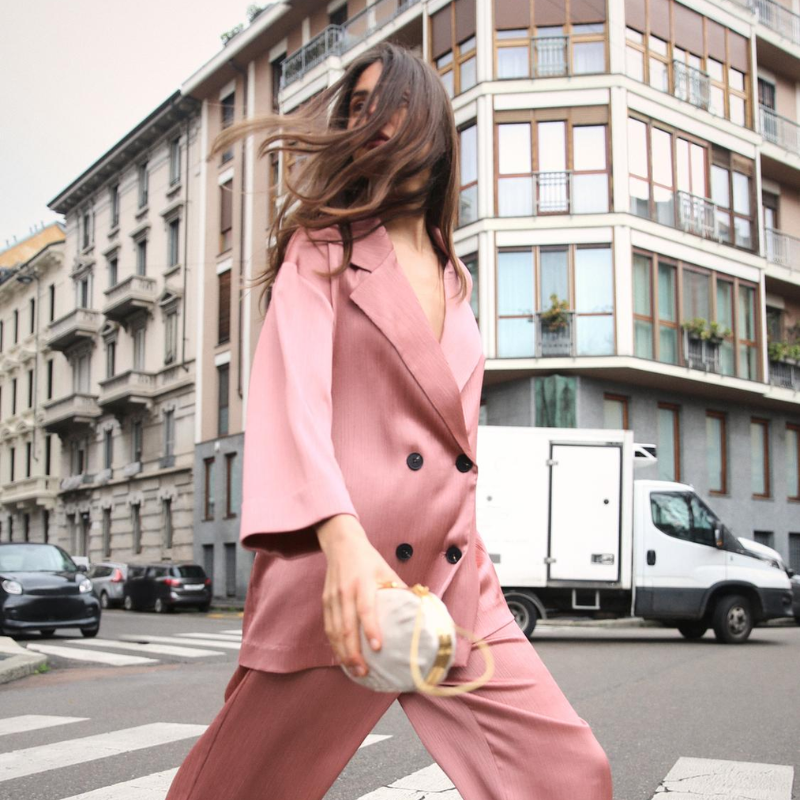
[388, 299]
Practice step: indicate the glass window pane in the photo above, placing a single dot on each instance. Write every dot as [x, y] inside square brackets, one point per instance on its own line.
[513, 33]
[595, 335]
[514, 148]
[613, 414]
[720, 189]
[666, 444]
[468, 76]
[747, 313]
[741, 193]
[588, 57]
[634, 63]
[640, 197]
[725, 303]
[727, 358]
[792, 476]
[515, 197]
[468, 205]
[515, 338]
[633, 36]
[664, 200]
[666, 292]
[716, 100]
[590, 193]
[696, 301]
[643, 338]
[737, 114]
[589, 147]
[662, 157]
[684, 184]
[747, 362]
[515, 283]
[469, 154]
[668, 345]
[447, 82]
[554, 277]
[637, 148]
[714, 453]
[698, 155]
[642, 289]
[715, 70]
[736, 79]
[467, 45]
[512, 62]
[551, 146]
[659, 76]
[594, 282]
[758, 446]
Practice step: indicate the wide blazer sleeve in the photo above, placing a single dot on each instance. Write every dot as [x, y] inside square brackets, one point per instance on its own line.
[291, 478]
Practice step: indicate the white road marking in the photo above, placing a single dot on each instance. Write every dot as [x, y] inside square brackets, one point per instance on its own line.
[374, 738]
[162, 649]
[234, 631]
[417, 786]
[115, 659]
[33, 722]
[225, 645]
[32, 760]
[223, 637]
[696, 778]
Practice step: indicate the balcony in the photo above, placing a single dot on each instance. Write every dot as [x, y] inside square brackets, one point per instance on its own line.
[700, 354]
[785, 374]
[555, 341]
[127, 392]
[136, 293]
[71, 413]
[338, 39]
[779, 130]
[783, 250]
[553, 193]
[79, 325]
[73, 482]
[702, 217]
[777, 18]
[30, 491]
[691, 85]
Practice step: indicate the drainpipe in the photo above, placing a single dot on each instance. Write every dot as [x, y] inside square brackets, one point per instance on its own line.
[186, 251]
[242, 182]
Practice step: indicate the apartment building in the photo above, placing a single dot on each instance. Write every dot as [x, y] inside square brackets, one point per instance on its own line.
[28, 374]
[629, 188]
[121, 327]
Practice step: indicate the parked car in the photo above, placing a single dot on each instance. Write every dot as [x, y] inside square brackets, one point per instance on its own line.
[42, 589]
[774, 558]
[795, 581]
[166, 586]
[108, 578]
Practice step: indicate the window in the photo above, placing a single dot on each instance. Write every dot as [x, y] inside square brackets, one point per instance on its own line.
[453, 45]
[136, 520]
[224, 307]
[468, 195]
[87, 229]
[28, 455]
[26, 527]
[169, 434]
[16, 325]
[748, 353]
[12, 459]
[108, 448]
[223, 381]
[83, 291]
[79, 462]
[13, 396]
[113, 271]
[166, 510]
[564, 38]
[171, 336]
[1, 336]
[716, 452]
[669, 442]
[48, 453]
[731, 192]
[175, 161]
[32, 314]
[111, 358]
[594, 301]
[106, 532]
[793, 461]
[759, 457]
[565, 170]
[138, 334]
[142, 177]
[684, 516]
[226, 216]
[141, 257]
[277, 69]
[615, 412]
[471, 263]
[30, 388]
[209, 489]
[137, 441]
[654, 336]
[273, 187]
[230, 503]
[230, 569]
[173, 246]
[46, 525]
[51, 293]
[114, 192]
[228, 113]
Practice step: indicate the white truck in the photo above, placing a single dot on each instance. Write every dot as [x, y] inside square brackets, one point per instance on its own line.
[570, 531]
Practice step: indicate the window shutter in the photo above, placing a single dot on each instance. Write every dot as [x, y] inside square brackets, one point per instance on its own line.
[546, 12]
[634, 15]
[583, 11]
[224, 313]
[442, 31]
[510, 14]
[465, 19]
[688, 29]
[226, 206]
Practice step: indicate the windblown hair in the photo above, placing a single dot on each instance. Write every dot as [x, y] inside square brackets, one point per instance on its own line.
[329, 186]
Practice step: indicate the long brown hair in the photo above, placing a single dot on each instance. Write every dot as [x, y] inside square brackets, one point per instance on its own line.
[332, 187]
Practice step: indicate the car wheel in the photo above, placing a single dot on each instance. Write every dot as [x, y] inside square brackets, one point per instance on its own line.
[47, 632]
[161, 607]
[127, 603]
[104, 601]
[797, 619]
[733, 619]
[204, 608]
[88, 633]
[692, 630]
[524, 610]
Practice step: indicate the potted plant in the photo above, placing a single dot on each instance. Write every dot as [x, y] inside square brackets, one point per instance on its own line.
[695, 328]
[716, 332]
[556, 317]
[777, 351]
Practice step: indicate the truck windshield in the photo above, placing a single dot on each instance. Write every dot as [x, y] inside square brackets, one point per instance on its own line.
[685, 516]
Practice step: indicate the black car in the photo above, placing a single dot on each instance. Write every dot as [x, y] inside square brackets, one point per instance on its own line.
[42, 589]
[166, 586]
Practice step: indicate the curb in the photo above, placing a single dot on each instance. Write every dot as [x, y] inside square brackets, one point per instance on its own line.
[638, 622]
[17, 662]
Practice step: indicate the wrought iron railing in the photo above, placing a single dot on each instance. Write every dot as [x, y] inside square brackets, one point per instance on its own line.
[700, 353]
[561, 192]
[782, 249]
[784, 374]
[779, 130]
[778, 18]
[555, 340]
[696, 215]
[692, 85]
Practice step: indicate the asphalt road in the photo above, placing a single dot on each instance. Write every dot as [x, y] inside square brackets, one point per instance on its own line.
[650, 696]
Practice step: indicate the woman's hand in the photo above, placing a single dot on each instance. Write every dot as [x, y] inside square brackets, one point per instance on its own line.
[355, 568]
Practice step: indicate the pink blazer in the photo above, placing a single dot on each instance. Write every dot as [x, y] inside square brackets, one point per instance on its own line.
[355, 408]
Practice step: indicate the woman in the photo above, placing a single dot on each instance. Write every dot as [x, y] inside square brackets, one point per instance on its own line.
[360, 467]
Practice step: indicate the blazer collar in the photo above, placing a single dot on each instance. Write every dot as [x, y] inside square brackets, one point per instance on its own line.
[388, 299]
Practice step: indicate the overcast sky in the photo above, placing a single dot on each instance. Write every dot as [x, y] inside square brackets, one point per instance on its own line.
[77, 75]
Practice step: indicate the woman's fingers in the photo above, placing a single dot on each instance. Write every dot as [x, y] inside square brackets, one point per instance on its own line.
[368, 616]
[350, 630]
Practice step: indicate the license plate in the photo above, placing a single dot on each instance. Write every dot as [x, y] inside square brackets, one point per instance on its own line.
[193, 587]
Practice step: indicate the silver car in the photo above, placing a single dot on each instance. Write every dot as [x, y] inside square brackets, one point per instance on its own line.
[108, 578]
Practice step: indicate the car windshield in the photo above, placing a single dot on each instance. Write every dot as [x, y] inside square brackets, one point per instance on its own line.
[190, 572]
[34, 558]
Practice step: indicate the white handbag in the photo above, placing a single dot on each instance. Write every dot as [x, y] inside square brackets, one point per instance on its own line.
[418, 644]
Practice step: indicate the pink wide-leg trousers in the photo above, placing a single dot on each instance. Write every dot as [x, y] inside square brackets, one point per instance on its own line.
[288, 736]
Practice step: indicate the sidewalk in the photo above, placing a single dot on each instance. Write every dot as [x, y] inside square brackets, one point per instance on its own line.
[17, 661]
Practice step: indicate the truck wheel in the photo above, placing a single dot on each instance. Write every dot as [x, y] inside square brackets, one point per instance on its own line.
[524, 610]
[732, 619]
[692, 630]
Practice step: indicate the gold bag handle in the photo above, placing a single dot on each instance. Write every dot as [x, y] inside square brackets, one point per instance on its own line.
[429, 684]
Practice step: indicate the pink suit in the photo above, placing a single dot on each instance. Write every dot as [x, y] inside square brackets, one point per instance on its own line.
[354, 407]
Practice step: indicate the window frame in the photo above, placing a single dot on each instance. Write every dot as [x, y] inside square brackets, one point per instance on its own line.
[209, 501]
[675, 410]
[723, 420]
[763, 423]
[795, 429]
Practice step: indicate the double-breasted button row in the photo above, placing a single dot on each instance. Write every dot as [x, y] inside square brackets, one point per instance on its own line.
[463, 462]
[404, 551]
[453, 554]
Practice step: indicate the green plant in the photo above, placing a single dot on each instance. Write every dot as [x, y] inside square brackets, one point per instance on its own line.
[42, 668]
[784, 351]
[696, 328]
[556, 317]
[228, 35]
[794, 351]
[717, 332]
[253, 11]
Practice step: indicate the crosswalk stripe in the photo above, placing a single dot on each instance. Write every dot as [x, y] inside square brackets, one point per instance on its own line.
[33, 722]
[155, 786]
[235, 631]
[115, 659]
[417, 786]
[225, 645]
[223, 637]
[32, 760]
[696, 778]
[161, 649]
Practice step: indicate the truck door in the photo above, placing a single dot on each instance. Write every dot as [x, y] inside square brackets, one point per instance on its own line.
[585, 490]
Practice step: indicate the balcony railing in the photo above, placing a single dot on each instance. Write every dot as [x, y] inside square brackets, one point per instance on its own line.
[562, 192]
[691, 84]
[779, 130]
[79, 324]
[785, 375]
[338, 39]
[68, 413]
[783, 249]
[130, 390]
[29, 490]
[555, 341]
[778, 18]
[700, 353]
[135, 293]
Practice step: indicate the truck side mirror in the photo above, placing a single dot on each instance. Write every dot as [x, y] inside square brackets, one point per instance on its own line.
[719, 538]
[790, 572]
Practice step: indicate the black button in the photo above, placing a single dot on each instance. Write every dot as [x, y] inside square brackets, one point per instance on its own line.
[414, 461]
[453, 554]
[463, 462]
[404, 551]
